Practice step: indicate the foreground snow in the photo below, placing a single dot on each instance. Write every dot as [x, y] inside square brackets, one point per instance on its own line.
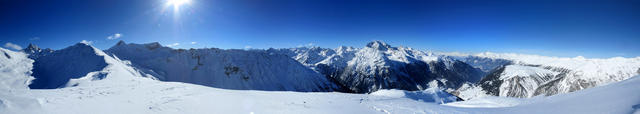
[149, 96]
[141, 95]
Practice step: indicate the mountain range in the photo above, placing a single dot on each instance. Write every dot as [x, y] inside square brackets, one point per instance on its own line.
[376, 66]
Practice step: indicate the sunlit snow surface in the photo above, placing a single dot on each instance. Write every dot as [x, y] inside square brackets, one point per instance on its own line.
[140, 95]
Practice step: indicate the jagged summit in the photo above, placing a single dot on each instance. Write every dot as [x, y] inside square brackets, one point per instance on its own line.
[33, 47]
[121, 42]
[378, 45]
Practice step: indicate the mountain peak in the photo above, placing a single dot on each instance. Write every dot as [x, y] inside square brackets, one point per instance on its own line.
[378, 45]
[83, 44]
[32, 47]
[120, 43]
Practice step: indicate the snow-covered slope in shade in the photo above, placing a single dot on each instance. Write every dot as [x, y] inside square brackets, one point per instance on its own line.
[76, 64]
[15, 70]
[229, 69]
[381, 66]
[17, 98]
[520, 75]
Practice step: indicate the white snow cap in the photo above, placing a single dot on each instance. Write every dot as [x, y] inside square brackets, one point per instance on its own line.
[378, 45]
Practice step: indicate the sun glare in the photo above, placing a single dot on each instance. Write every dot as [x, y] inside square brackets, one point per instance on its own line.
[178, 3]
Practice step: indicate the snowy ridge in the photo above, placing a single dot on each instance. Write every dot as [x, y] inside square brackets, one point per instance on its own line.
[524, 71]
[75, 65]
[229, 69]
[531, 75]
[585, 68]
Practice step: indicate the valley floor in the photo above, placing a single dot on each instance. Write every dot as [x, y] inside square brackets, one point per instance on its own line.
[141, 95]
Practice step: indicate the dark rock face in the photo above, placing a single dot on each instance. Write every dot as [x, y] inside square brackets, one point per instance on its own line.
[413, 76]
[491, 83]
[35, 52]
[54, 69]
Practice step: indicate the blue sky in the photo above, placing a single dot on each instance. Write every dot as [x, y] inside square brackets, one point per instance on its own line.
[590, 28]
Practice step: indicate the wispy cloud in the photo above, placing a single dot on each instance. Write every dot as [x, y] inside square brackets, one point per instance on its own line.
[114, 36]
[173, 45]
[194, 42]
[247, 47]
[12, 46]
[86, 42]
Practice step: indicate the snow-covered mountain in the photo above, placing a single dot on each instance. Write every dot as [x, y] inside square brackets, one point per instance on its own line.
[229, 69]
[532, 75]
[381, 66]
[121, 92]
[361, 70]
[75, 65]
[88, 80]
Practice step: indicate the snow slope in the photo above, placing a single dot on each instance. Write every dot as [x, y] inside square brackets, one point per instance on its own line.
[229, 69]
[142, 95]
[15, 95]
[15, 70]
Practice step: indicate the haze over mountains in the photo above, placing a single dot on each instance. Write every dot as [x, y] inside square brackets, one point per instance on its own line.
[372, 69]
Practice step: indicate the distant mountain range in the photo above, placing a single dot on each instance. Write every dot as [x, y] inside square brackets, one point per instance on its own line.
[345, 69]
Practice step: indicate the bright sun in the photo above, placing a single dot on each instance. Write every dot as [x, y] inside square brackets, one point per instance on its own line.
[177, 3]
